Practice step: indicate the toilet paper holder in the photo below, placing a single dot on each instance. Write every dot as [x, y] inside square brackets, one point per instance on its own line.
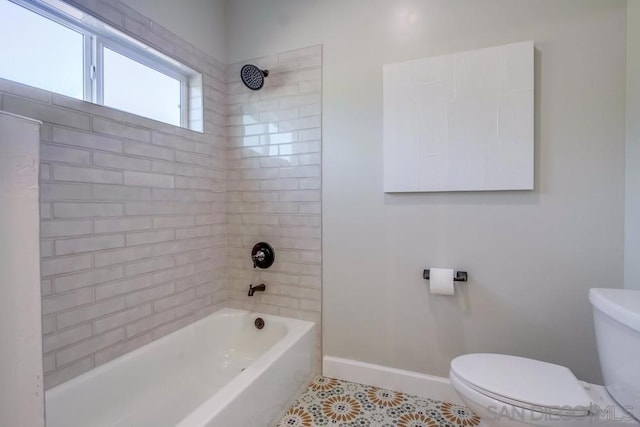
[460, 276]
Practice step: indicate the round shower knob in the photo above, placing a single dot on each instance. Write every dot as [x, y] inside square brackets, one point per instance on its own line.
[262, 255]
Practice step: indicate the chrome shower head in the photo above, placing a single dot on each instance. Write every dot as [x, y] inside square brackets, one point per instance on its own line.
[253, 77]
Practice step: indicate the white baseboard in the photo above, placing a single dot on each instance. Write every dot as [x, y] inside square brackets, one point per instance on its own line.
[409, 382]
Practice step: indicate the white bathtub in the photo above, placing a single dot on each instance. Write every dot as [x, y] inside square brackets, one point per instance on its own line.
[219, 371]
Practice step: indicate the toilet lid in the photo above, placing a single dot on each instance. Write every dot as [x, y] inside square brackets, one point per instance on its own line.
[531, 384]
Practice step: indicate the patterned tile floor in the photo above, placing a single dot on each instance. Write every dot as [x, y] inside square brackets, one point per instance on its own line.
[334, 403]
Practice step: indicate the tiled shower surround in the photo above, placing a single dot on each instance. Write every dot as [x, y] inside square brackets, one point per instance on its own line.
[273, 184]
[134, 212]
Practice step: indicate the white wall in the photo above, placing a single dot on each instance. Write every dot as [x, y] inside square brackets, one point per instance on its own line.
[632, 211]
[531, 256]
[21, 387]
[199, 22]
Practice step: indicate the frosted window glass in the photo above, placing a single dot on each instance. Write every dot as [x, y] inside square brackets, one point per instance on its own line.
[132, 86]
[39, 52]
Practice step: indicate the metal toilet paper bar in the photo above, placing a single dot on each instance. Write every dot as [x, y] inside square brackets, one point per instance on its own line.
[460, 276]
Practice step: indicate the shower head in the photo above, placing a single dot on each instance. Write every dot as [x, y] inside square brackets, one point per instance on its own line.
[253, 77]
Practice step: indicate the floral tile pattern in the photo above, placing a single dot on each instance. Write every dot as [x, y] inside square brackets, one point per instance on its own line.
[335, 403]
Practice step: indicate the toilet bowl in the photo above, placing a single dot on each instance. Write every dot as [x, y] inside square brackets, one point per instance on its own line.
[510, 391]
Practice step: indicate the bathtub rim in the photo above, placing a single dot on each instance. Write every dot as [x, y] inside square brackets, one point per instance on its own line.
[295, 328]
[214, 405]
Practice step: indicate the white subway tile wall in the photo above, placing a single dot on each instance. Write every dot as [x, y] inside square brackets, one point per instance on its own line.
[273, 185]
[133, 213]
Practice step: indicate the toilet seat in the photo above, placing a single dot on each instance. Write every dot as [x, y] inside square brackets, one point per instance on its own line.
[524, 383]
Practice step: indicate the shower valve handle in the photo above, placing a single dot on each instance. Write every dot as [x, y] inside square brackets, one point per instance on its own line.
[262, 255]
[258, 257]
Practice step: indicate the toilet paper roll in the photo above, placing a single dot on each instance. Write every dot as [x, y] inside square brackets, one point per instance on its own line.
[441, 281]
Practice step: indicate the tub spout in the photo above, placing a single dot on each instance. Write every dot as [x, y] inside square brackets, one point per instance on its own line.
[260, 288]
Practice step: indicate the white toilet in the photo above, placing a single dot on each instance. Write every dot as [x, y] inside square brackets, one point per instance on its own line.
[514, 391]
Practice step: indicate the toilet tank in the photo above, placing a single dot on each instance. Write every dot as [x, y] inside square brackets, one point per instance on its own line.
[616, 315]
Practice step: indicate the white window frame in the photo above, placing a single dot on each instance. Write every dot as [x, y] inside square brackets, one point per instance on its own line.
[98, 35]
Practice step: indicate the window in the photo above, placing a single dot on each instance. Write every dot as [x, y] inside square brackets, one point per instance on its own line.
[40, 52]
[62, 49]
[132, 86]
